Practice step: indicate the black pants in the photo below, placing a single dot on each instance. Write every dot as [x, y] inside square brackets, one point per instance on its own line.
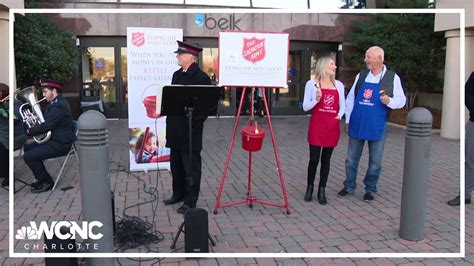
[180, 170]
[5, 162]
[314, 154]
[36, 153]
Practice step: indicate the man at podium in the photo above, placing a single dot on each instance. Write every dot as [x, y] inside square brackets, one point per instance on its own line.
[177, 133]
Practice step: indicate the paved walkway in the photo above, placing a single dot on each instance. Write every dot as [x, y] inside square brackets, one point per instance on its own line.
[344, 225]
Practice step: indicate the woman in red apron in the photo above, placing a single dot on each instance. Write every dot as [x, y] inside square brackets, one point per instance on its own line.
[324, 96]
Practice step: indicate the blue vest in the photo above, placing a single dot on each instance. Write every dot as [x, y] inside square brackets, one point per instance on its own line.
[367, 121]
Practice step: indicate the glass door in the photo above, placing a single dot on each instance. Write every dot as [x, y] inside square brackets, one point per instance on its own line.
[210, 65]
[123, 83]
[104, 75]
[301, 61]
[98, 74]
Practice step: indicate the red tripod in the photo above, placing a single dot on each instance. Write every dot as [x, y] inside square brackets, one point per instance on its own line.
[250, 200]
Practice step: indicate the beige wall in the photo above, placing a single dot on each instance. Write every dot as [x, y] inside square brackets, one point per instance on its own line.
[309, 27]
[444, 22]
[5, 5]
[3, 46]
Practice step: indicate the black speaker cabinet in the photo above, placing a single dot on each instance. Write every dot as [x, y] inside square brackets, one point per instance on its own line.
[196, 231]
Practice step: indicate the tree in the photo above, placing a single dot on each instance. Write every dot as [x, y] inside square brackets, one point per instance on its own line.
[43, 50]
[412, 48]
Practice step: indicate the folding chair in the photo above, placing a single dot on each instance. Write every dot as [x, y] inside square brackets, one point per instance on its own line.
[18, 153]
[71, 152]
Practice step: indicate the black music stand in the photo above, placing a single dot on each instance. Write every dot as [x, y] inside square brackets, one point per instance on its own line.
[190, 101]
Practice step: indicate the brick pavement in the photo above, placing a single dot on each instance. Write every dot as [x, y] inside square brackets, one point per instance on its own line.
[344, 225]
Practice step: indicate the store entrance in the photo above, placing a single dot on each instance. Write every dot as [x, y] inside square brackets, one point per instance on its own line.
[104, 76]
[301, 61]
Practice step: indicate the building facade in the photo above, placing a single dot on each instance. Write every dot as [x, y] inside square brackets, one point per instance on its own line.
[449, 24]
[101, 39]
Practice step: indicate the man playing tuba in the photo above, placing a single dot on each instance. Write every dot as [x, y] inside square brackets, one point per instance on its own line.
[58, 120]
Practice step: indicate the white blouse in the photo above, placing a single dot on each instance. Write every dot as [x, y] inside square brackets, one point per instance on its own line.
[310, 101]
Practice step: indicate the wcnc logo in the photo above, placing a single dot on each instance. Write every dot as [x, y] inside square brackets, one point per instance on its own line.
[210, 23]
[85, 230]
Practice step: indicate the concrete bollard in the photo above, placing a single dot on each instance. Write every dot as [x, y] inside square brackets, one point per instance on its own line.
[95, 183]
[415, 174]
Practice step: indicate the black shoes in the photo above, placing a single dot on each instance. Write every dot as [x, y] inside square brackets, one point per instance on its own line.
[345, 192]
[172, 200]
[36, 184]
[183, 208]
[309, 193]
[457, 201]
[368, 197]
[322, 196]
[43, 187]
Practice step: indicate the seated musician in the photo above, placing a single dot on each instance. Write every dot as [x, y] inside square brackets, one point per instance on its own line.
[19, 134]
[58, 120]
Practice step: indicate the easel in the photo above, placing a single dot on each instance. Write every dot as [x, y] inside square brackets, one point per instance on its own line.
[251, 199]
[189, 101]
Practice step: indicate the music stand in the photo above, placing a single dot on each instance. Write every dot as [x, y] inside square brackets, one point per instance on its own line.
[190, 101]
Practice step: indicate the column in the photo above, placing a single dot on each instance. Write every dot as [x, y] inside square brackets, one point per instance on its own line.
[451, 90]
[4, 46]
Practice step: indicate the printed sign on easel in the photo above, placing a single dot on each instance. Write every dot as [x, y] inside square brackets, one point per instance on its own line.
[253, 59]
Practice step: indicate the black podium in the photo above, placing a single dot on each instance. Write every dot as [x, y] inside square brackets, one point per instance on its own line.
[193, 102]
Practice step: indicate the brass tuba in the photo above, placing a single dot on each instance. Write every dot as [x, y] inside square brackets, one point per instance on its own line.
[31, 113]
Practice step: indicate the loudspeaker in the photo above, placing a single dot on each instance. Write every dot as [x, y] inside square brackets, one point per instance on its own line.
[56, 245]
[196, 231]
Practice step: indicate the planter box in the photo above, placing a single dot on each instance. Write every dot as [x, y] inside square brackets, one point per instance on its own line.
[399, 116]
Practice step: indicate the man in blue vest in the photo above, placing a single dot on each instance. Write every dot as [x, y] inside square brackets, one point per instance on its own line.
[374, 93]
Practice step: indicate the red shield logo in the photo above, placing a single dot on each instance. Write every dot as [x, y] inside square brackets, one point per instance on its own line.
[368, 93]
[328, 100]
[138, 38]
[254, 49]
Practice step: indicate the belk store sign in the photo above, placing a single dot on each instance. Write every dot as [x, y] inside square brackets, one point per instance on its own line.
[211, 22]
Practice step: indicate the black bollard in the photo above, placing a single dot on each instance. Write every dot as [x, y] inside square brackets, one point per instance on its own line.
[415, 174]
[56, 245]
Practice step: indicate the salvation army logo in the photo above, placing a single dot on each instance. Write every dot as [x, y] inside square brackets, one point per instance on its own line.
[26, 232]
[368, 93]
[138, 38]
[253, 49]
[328, 100]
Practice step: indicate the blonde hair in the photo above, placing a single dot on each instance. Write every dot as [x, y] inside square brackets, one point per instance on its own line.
[320, 69]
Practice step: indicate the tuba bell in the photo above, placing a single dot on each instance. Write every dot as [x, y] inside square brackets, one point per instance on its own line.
[30, 112]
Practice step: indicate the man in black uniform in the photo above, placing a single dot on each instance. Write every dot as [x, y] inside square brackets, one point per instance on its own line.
[177, 133]
[469, 145]
[58, 120]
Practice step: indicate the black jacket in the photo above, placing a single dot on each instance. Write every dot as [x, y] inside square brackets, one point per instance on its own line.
[177, 126]
[469, 96]
[58, 120]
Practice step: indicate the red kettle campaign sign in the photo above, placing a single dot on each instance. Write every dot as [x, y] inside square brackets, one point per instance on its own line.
[254, 59]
